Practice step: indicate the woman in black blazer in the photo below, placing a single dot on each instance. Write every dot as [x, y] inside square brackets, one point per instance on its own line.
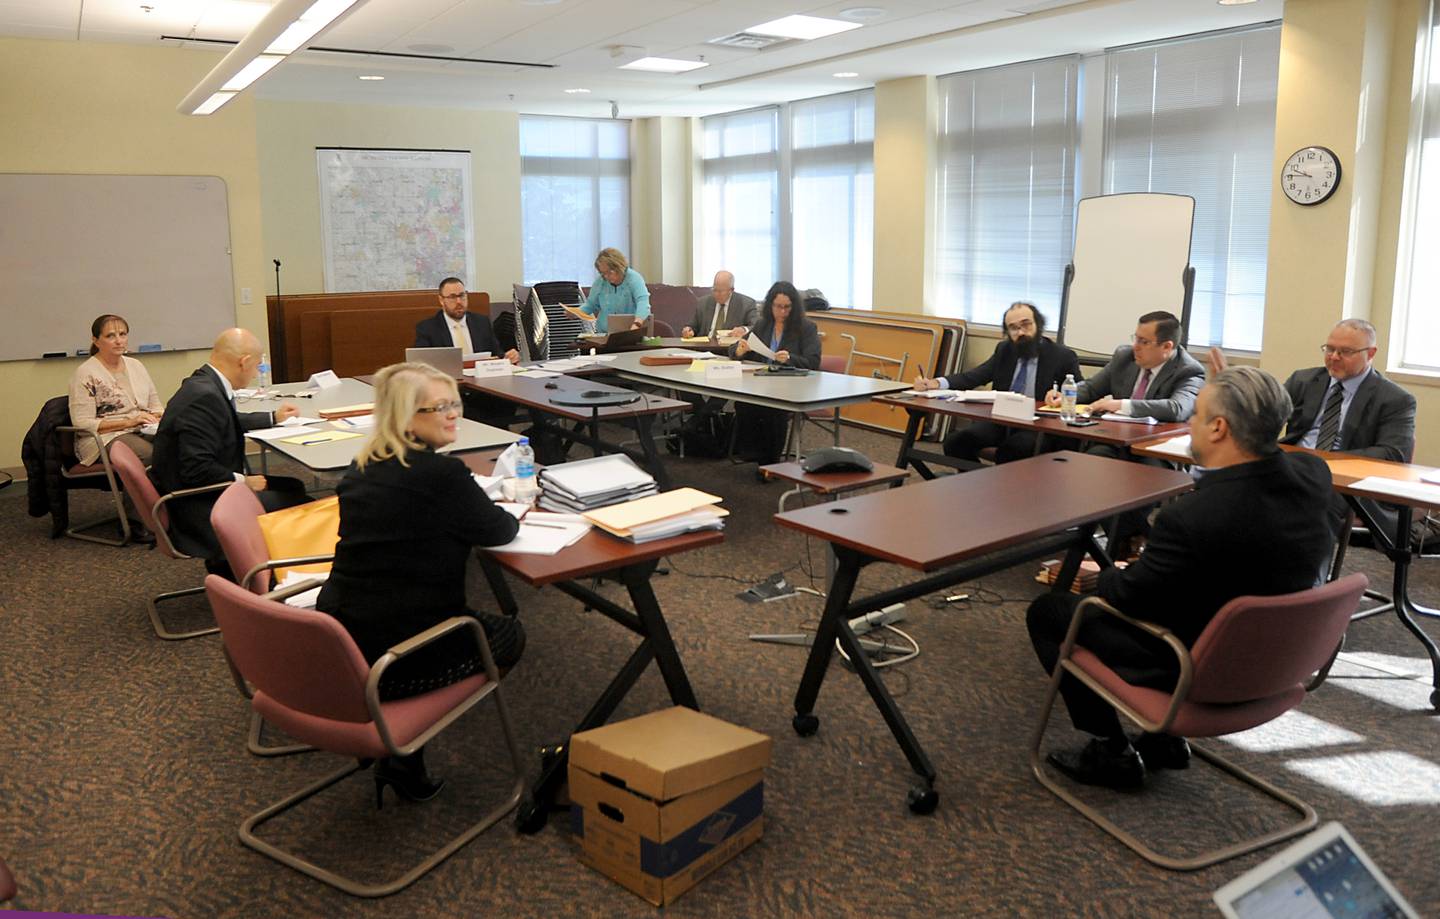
[409, 518]
[782, 326]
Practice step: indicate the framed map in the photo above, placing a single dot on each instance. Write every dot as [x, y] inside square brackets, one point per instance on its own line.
[395, 219]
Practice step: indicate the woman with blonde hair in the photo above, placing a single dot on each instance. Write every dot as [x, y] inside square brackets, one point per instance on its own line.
[618, 289]
[409, 517]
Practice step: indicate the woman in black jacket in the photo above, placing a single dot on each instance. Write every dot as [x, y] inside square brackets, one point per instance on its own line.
[783, 328]
[409, 518]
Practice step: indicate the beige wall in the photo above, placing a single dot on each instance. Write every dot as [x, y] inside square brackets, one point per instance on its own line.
[905, 124]
[85, 107]
[660, 200]
[287, 134]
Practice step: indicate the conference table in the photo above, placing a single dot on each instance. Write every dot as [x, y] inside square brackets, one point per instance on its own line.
[955, 529]
[598, 343]
[1347, 473]
[1119, 434]
[597, 555]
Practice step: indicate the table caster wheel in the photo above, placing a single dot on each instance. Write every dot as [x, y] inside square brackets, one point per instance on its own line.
[922, 800]
[805, 725]
[531, 817]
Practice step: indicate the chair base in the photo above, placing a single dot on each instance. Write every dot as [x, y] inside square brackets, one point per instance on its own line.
[254, 745]
[159, 625]
[78, 531]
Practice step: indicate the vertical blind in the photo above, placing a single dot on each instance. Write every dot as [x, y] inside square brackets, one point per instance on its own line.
[1005, 186]
[740, 226]
[574, 195]
[1416, 311]
[1197, 117]
[832, 195]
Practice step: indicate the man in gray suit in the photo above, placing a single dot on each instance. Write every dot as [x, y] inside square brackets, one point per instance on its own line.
[722, 310]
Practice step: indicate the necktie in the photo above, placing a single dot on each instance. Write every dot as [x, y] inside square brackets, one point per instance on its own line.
[1018, 385]
[1141, 386]
[1330, 420]
[462, 337]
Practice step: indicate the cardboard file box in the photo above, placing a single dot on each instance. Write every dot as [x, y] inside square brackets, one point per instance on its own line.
[664, 799]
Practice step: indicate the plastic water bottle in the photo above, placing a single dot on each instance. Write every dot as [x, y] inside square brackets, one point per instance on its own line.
[262, 383]
[1068, 391]
[526, 486]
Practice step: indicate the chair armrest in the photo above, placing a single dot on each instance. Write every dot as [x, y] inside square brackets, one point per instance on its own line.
[281, 594]
[410, 646]
[197, 490]
[284, 563]
[1091, 605]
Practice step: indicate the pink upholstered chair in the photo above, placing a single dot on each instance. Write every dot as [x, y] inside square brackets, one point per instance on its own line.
[150, 505]
[311, 681]
[235, 519]
[1250, 665]
[823, 418]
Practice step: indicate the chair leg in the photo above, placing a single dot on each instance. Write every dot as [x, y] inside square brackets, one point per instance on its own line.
[78, 530]
[359, 888]
[254, 745]
[160, 626]
[1308, 819]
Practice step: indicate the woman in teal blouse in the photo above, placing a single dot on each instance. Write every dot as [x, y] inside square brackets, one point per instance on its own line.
[618, 289]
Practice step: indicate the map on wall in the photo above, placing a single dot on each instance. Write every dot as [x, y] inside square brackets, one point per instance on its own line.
[395, 219]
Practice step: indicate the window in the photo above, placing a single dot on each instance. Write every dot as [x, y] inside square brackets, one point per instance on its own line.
[1415, 324]
[574, 195]
[1197, 117]
[1005, 187]
[790, 194]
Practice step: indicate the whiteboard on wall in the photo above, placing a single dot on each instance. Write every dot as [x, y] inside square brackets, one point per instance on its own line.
[395, 219]
[154, 249]
[1132, 254]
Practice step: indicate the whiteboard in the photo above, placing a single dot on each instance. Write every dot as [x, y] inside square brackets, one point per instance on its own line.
[1131, 256]
[154, 249]
[395, 219]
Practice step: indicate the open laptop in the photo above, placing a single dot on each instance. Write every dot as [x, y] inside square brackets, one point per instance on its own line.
[1323, 875]
[619, 322]
[449, 361]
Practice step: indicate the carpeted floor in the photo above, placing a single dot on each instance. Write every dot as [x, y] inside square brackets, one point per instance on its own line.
[124, 776]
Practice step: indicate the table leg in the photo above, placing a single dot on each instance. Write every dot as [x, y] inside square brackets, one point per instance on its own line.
[837, 598]
[495, 577]
[1084, 543]
[907, 443]
[1406, 608]
[636, 579]
[645, 433]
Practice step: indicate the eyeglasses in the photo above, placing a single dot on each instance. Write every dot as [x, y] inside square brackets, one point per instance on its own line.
[1021, 326]
[444, 408]
[1143, 342]
[1330, 351]
[460, 296]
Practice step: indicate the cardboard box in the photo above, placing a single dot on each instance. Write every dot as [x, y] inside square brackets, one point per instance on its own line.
[664, 799]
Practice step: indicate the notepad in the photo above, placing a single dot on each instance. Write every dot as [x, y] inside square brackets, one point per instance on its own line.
[315, 438]
[1131, 419]
[279, 432]
[1178, 447]
[1414, 491]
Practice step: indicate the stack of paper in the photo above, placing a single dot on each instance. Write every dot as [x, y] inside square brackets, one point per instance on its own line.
[587, 484]
[545, 534]
[682, 510]
[1178, 447]
[953, 395]
[1086, 579]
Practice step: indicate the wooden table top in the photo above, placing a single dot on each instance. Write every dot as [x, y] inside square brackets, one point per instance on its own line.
[1118, 433]
[536, 393]
[935, 524]
[830, 483]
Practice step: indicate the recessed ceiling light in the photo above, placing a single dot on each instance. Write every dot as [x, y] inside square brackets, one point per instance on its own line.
[803, 27]
[427, 48]
[663, 65]
[862, 13]
[845, 74]
[371, 76]
[577, 90]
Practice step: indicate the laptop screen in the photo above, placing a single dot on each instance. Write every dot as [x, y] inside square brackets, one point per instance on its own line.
[1331, 881]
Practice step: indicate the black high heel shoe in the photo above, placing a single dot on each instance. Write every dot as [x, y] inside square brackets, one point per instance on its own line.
[407, 776]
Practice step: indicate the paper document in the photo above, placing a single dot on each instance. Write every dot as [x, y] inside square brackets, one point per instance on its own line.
[513, 509]
[619, 518]
[1421, 492]
[537, 374]
[1178, 447]
[1132, 419]
[759, 347]
[297, 421]
[543, 537]
[315, 438]
[307, 599]
[1430, 476]
[490, 484]
[357, 422]
[693, 355]
[150, 430]
[276, 433]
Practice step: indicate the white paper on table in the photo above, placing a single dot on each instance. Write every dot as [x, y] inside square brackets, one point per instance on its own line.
[363, 422]
[246, 393]
[278, 432]
[477, 356]
[537, 516]
[534, 374]
[1178, 447]
[295, 421]
[490, 484]
[535, 539]
[150, 430]
[1430, 476]
[759, 347]
[693, 355]
[603, 358]
[1132, 419]
[1415, 491]
[305, 600]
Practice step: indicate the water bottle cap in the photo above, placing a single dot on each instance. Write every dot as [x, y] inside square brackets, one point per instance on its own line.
[524, 441]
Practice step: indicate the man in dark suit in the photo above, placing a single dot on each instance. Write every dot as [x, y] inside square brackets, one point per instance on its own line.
[454, 326]
[1025, 362]
[201, 441]
[1255, 525]
[722, 310]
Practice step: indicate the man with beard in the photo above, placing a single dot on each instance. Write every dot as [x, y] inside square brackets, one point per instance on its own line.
[1024, 362]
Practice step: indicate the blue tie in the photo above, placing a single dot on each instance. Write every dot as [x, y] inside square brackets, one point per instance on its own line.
[1019, 384]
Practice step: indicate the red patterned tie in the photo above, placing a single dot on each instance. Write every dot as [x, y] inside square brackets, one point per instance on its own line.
[1141, 386]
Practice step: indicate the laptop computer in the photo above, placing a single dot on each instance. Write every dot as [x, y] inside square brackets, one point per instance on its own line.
[449, 361]
[1324, 874]
[619, 322]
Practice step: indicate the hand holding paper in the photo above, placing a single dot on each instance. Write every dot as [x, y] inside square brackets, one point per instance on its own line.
[753, 343]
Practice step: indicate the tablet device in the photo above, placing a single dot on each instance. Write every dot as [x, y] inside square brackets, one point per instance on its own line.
[449, 361]
[1325, 874]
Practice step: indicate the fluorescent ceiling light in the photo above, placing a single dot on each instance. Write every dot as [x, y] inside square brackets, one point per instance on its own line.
[310, 22]
[370, 77]
[1234, 2]
[576, 91]
[803, 27]
[251, 72]
[214, 102]
[663, 65]
[845, 74]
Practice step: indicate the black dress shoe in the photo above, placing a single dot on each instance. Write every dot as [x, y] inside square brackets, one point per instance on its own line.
[1094, 764]
[407, 775]
[1162, 751]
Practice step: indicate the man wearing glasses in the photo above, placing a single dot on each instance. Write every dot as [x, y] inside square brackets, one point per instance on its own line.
[455, 326]
[1024, 362]
[722, 310]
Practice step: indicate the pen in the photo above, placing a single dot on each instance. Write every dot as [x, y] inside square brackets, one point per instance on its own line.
[548, 526]
[311, 443]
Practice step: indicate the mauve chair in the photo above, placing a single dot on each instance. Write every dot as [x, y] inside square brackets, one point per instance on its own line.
[150, 505]
[7, 883]
[1254, 662]
[235, 519]
[311, 681]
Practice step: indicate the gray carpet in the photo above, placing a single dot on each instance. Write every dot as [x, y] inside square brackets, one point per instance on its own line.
[124, 774]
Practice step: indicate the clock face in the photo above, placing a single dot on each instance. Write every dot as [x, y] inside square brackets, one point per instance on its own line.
[1310, 175]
